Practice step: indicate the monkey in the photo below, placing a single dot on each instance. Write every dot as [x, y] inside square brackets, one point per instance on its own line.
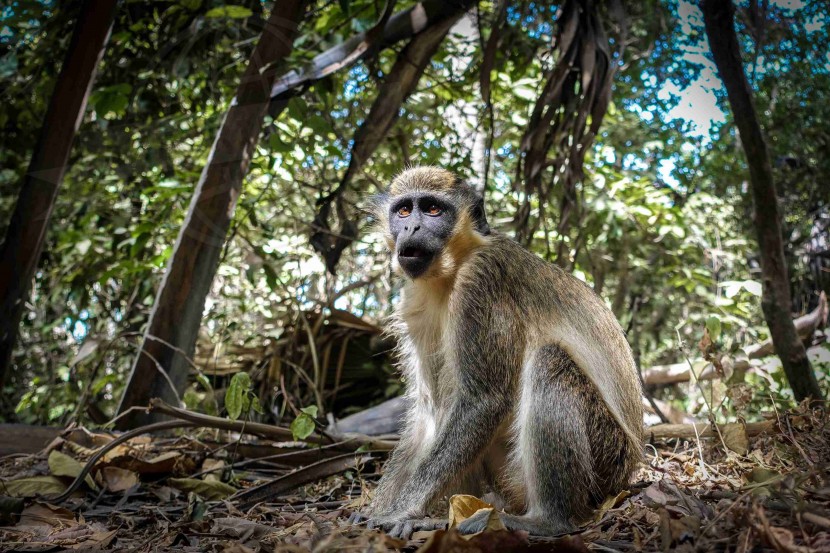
[521, 382]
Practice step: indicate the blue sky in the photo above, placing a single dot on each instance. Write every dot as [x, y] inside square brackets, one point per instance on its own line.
[697, 102]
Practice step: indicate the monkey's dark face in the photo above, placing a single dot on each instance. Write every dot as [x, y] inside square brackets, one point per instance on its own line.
[420, 224]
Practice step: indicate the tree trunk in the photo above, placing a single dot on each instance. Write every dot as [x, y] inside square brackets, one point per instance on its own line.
[395, 89]
[400, 26]
[392, 93]
[174, 322]
[26, 233]
[718, 16]
[177, 311]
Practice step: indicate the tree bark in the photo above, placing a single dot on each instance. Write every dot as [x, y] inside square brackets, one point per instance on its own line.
[402, 25]
[393, 92]
[718, 16]
[396, 88]
[26, 232]
[171, 333]
[174, 322]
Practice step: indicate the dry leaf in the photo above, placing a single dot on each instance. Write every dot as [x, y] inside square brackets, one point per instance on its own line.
[450, 541]
[237, 527]
[463, 507]
[609, 503]
[33, 486]
[44, 514]
[215, 468]
[117, 479]
[735, 438]
[96, 541]
[207, 490]
[126, 459]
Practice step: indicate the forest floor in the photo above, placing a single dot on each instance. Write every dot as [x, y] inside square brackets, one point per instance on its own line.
[183, 494]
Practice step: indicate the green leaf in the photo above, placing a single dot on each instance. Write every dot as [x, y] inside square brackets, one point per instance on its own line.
[753, 287]
[303, 426]
[310, 410]
[61, 464]
[235, 394]
[713, 325]
[204, 382]
[111, 100]
[344, 5]
[233, 12]
[34, 486]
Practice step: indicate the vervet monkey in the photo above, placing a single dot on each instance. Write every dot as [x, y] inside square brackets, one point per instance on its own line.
[521, 381]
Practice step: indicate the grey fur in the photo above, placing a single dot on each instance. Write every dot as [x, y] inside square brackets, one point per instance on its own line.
[521, 381]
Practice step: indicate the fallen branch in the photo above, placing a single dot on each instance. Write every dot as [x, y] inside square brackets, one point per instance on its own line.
[704, 430]
[348, 442]
[309, 473]
[806, 326]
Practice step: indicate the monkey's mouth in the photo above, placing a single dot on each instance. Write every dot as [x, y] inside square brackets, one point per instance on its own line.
[414, 252]
[415, 260]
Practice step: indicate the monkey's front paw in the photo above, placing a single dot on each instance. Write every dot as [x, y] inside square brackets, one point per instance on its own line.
[405, 528]
[397, 527]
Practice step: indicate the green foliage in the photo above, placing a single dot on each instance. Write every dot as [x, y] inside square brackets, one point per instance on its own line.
[232, 12]
[664, 255]
[303, 425]
[240, 398]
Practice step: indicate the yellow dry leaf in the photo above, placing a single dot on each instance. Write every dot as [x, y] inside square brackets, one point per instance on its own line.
[61, 464]
[463, 507]
[31, 487]
[213, 469]
[609, 503]
[734, 436]
[117, 479]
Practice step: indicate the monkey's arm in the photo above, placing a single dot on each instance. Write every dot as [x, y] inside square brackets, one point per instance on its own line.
[399, 468]
[487, 362]
[469, 427]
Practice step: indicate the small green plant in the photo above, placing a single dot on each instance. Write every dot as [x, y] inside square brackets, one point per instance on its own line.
[240, 398]
[304, 424]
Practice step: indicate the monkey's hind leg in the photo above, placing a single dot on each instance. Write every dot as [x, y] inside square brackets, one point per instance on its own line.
[553, 465]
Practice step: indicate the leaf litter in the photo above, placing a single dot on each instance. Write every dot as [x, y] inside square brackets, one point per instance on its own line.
[766, 493]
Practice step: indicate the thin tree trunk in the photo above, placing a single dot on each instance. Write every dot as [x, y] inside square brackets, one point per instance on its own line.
[392, 93]
[400, 26]
[718, 16]
[26, 233]
[396, 88]
[174, 321]
[177, 311]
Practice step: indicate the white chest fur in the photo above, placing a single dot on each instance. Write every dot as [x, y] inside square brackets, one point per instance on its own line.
[424, 314]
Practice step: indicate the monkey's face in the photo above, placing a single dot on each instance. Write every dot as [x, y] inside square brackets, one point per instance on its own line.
[420, 224]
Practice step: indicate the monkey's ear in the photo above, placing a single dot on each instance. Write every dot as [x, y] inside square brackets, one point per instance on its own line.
[479, 217]
[376, 204]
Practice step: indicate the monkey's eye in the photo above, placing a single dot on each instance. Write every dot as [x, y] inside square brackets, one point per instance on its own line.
[404, 211]
[433, 210]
